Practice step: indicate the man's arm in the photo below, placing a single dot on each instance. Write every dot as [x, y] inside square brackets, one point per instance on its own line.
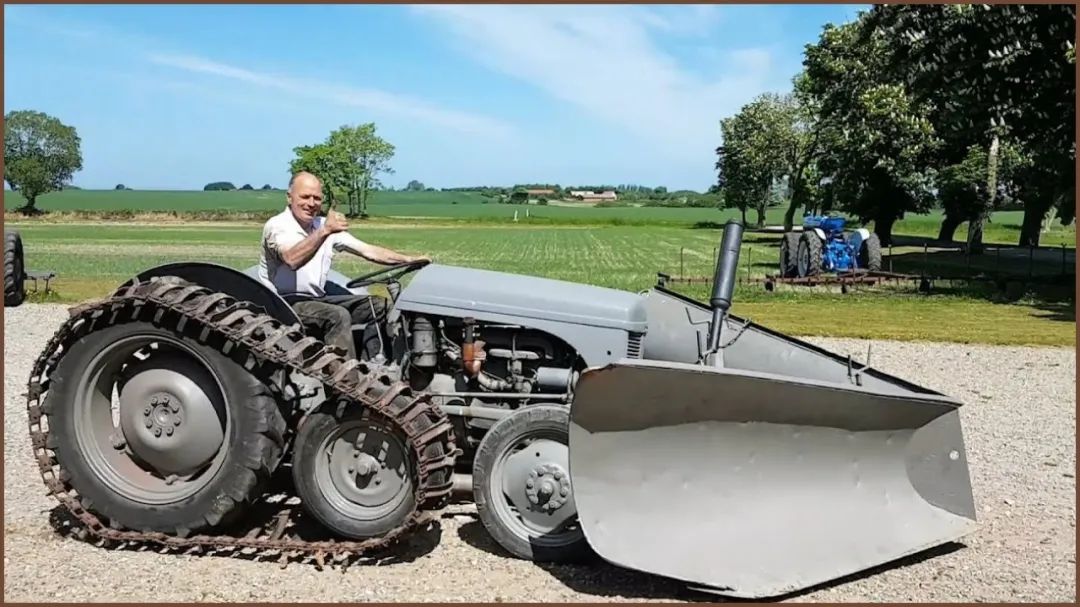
[375, 253]
[300, 253]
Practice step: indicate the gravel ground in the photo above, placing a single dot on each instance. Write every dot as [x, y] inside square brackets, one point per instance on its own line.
[1019, 422]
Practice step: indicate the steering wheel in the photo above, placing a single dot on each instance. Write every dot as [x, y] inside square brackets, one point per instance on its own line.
[398, 271]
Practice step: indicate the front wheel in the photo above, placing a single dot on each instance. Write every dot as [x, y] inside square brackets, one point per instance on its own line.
[521, 486]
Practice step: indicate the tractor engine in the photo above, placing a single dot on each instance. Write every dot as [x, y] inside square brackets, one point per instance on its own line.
[479, 368]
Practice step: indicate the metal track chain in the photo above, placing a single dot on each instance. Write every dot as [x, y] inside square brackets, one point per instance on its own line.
[268, 343]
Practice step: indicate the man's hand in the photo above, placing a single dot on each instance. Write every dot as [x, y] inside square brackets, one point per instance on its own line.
[335, 222]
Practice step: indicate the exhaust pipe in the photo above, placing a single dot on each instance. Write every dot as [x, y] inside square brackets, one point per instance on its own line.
[727, 264]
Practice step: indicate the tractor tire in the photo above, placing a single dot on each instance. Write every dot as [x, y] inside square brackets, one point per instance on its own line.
[357, 490]
[870, 254]
[198, 438]
[14, 270]
[509, 528]
[789, 245]
[808, 258]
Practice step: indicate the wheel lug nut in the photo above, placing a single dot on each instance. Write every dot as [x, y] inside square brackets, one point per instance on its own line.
[157, 431]
[351, 470]
[149, 423]
[146, 411]
[169, 430]
[378, 481]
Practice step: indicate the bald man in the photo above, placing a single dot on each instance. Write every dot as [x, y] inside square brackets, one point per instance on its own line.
[297, 247]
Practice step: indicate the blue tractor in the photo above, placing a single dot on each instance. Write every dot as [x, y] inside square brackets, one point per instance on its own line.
[823, 247]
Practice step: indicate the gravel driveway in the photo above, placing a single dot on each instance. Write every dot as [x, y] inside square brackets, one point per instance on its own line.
[1019, 423]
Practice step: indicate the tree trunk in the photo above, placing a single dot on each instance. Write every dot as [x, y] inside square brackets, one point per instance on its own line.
[29, 208]
[948, 227]
[1035, 209]
[883, 225]
[796, 202]
[975, 227]
[743, 210]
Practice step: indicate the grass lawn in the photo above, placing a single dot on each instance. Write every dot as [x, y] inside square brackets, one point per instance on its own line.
[92, 259]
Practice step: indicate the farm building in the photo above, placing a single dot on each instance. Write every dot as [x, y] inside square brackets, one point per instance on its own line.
[586, 195]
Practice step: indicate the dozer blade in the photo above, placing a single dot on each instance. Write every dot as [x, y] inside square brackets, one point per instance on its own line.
[756, 484]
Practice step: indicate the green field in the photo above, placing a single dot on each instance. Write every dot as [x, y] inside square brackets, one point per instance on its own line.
[93, 258]
[427, 207]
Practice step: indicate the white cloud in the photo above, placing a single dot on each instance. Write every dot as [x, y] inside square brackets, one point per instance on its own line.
[606, 60]
[369, 99]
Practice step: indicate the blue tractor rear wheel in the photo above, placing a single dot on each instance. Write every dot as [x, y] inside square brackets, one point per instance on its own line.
[870, 254]
[808, 256]
[789, 246]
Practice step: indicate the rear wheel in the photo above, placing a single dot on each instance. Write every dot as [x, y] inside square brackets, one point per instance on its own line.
[14, 270]
[789, 244]
[870, 254]
[159, 432]
[808, 258]
[521, 486]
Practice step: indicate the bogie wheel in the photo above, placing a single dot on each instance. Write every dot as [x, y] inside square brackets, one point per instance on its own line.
[808, 259]
[353, 472]
[190, 441]
[870, 254]
[14, 270]
[789, 244]
[521, 486]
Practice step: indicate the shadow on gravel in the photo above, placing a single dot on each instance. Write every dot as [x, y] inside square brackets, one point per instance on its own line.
[603, 579]
[275, 511]
[595, 577]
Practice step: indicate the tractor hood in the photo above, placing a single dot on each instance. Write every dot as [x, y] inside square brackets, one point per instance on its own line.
[470, 292]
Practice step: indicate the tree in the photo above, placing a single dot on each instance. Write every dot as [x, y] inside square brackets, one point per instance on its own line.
[348, 162]
[414, 186]
[997, 77]
[876, 141]
[41, 154]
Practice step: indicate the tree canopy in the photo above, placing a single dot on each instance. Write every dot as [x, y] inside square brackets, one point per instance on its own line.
[908, 107]
[41, 154]
[348, 162]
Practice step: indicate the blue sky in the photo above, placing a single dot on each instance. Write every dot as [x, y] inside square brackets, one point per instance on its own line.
[174, 97]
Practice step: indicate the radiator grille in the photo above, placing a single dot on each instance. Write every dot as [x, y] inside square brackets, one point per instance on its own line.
[633, 346]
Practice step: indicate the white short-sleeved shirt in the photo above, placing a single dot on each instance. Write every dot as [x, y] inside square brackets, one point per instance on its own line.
[281, 232]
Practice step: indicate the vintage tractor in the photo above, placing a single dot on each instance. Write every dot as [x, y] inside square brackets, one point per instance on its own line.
[661, 433]
[822, 246]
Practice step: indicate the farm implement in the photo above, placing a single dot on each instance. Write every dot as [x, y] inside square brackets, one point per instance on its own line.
[657, 432]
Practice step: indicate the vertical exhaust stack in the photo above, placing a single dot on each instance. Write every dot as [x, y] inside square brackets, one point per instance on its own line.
[727, 264]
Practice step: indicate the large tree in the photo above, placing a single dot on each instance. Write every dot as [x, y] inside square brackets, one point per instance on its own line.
[349, 162]
[875, 141]
[1000, 77]
[41, 154]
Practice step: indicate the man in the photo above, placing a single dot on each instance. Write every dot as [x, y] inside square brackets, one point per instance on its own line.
[297, 248]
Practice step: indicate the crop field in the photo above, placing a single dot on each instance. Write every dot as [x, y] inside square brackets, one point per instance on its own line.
[91, 259]
[472, 207]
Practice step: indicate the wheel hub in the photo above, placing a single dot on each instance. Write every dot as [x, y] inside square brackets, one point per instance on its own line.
[364, 484]
[168, 421]
[548, 486]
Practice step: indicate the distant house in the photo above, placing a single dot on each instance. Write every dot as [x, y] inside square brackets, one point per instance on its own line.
[586, 195]
[548, 192]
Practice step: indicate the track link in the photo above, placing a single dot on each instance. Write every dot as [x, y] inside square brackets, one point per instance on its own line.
[264, 346]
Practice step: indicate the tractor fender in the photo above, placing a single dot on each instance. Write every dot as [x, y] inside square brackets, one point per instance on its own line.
[857, 238]
[820, 234]
[224, 279]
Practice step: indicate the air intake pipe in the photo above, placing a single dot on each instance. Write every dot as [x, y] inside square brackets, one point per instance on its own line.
[727, 264]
